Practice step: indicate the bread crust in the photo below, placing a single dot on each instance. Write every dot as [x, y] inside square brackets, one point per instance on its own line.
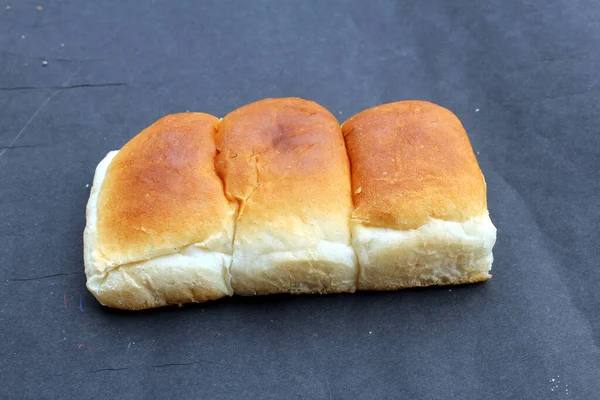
[161, 192]
[412, 161]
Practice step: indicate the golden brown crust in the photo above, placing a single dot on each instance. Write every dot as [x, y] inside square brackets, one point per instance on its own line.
[412, 161]
[161, 191]
[286, 156]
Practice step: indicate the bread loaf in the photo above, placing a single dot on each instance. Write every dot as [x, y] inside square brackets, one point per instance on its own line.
[277, 197]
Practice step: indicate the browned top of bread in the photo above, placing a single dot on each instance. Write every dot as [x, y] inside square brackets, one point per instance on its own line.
[285, 162]
[412, 161]
[161, 191]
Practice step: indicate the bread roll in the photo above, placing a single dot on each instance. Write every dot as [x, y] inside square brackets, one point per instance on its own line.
[284, 162]
[159, 228]
[420, 213]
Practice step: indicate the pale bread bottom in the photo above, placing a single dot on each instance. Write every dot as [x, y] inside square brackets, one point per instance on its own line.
[327, 267]
[194, 275]
[437, 253]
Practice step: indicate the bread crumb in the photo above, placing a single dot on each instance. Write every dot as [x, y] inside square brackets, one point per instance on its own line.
[44, 63]
[39, 8]
[477, 110]
[87, 185]
[357, 191]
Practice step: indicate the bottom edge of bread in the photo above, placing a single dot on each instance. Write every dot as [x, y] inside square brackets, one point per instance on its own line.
[425, 282]
[193, 275]
[326, 267]
[437, 253]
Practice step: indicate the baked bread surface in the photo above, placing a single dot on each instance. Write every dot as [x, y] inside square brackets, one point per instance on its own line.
[159, 228]
[420, 215]
[284, 162]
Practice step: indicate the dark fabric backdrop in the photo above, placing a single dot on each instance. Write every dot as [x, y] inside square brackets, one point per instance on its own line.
[79, 78]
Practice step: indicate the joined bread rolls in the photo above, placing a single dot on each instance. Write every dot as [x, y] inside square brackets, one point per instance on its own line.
[420, 211]
[278, 198]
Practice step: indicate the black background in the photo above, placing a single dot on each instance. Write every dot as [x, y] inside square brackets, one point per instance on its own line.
[521, 75]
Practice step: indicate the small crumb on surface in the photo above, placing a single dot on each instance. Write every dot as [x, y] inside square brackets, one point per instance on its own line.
[87, 185]
[45, 63]
[62, 45]
[477, 153]
[357, 191]
[370, 332]
[22, 36]
[39, 8]
[477, 110]
[8, 7]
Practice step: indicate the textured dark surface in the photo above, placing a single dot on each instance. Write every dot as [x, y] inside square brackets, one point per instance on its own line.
[521, 75]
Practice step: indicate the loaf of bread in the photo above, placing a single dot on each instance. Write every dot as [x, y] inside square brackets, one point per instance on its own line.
[278, 198]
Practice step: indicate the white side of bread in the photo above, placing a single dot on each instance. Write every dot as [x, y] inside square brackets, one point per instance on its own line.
[263, 263]
[437, 253]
